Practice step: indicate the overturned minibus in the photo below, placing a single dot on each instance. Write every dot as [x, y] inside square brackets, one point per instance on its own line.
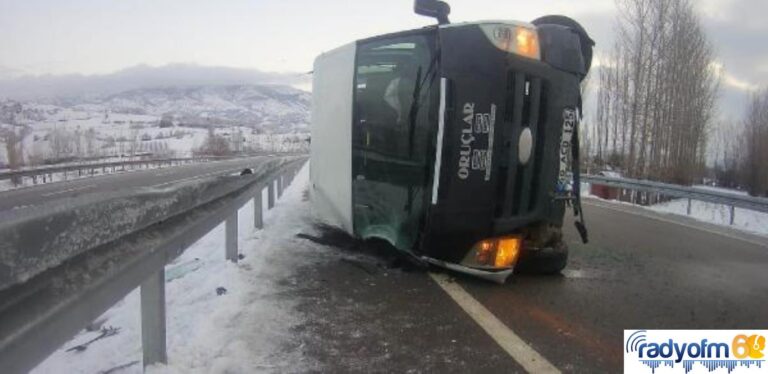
[456, 143]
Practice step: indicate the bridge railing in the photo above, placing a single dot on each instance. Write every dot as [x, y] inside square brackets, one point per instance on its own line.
[691, 193]
[63, 266]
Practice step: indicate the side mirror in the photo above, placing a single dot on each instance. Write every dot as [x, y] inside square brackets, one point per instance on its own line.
[433, 8]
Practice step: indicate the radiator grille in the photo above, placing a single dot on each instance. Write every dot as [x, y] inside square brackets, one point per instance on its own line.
[517, 187]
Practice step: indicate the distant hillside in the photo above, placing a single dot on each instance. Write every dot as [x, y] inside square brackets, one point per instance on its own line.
[270, 108]
[31, 88]
[161, 120]
[267, 107]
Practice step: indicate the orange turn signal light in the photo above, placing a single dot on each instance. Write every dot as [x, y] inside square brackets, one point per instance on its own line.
[498, 252]
[507, 251]
[527, 42]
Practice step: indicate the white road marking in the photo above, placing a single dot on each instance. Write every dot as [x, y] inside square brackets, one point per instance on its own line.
[68, 190]
[521, 352]
[637, 212]
[165, 173]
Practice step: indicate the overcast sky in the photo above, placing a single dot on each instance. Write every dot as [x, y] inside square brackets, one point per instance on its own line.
[101, 36]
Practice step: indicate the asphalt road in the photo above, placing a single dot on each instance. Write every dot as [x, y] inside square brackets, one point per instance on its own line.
[368, 312]
[640, 270]
[42, 193]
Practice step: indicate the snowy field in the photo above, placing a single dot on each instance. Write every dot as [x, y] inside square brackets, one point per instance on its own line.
[246, 329]
[69, 134]
[746, 220]
[88, 135]
[168, 121]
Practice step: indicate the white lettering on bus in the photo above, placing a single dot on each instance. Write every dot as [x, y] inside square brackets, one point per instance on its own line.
[476, 124]
[465, 150]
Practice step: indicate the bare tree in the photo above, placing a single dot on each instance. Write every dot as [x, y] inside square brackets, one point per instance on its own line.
[13, 150]
[657, 93]
[215, 145]
[755, 145]
[77, 140]
[134, 141]
[61, 143]
[90, 142]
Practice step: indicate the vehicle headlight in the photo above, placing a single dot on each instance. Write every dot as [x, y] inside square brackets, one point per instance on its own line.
[520, 40]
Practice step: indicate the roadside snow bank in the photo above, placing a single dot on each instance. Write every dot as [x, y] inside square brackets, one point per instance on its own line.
[719, 214]
[245, 329]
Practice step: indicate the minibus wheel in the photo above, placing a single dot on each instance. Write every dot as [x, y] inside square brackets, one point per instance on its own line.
[551, 260]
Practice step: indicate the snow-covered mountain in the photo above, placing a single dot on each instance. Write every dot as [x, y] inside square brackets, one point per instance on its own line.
[28, 88]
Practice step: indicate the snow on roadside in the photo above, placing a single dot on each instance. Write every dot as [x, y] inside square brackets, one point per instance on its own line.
[246, 329]
[720, 190]
[745, 220]
[719, 214]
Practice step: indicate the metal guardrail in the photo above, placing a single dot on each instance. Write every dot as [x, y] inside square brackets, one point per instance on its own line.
[690, 193]
[45, 172]
[103, 260]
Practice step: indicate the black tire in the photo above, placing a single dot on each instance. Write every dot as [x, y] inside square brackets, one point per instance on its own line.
[586, 42]
[545, 261]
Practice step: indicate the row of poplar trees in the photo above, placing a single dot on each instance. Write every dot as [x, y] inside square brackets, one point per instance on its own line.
[657, 92]
[747, 161]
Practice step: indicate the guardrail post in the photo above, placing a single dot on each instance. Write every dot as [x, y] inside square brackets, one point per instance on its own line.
[271, 195]
[258, 220]
[231, 237]
[688, 210]
[733, 213]
[279, 186]
[153, 319]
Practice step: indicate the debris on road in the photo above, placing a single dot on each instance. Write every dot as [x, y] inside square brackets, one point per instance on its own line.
[105, 333]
